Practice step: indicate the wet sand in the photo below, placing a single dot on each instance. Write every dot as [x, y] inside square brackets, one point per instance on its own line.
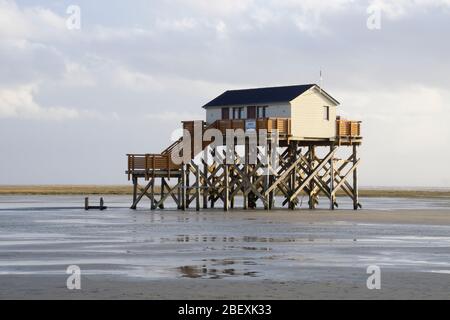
[395, 285]
[302, 254]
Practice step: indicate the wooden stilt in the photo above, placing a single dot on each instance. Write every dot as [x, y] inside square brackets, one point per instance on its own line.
[197, 188]
[187, 185]
[152, 195]
[355, 180]
[183, 187]
[163, 182]
[205, 185]
[246, 160]
[179, 192]
[226, 187]
[312, 157]
[135, 182]
[332, 196]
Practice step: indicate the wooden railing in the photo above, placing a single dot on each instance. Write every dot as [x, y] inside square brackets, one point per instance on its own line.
[347, 128]
[283, 125]
[150, 162]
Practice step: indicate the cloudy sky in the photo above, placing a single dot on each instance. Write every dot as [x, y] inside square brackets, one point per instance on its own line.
[73, 102]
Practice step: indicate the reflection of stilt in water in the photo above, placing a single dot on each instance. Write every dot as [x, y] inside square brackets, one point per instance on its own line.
[216, 269]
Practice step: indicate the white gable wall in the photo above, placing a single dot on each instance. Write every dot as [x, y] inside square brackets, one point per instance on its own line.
[307, 116]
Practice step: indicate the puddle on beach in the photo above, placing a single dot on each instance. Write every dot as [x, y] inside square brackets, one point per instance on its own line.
[217, 269]
[205, 245]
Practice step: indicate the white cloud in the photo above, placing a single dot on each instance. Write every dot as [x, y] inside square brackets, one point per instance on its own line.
[77, 74]
[33, 23]
[173, 117]
[20, 103]
[182, 24]
[395, 9]
[134, 80]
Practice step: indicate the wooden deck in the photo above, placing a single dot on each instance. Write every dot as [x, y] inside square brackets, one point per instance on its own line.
[158, 165]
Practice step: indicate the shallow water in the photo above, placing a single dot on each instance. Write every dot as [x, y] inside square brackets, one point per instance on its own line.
[45, 234]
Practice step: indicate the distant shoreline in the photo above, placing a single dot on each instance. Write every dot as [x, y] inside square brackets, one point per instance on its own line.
[127, 190]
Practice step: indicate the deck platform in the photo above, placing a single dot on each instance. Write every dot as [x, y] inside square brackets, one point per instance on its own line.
[300, 169]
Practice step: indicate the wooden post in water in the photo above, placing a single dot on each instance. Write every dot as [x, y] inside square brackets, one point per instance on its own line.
[226, 189]
[161, 206]
[197, 188]
[332, 194]
[183, 187]
[86, 203]
[180, 186]
[355, 181]
[187, 185]
[312, 157]
[205, 184]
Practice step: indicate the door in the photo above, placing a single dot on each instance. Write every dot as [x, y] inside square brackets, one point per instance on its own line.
[225, 113]
[251, 112]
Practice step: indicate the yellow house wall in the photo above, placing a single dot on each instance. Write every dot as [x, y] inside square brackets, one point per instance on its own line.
[307, 116]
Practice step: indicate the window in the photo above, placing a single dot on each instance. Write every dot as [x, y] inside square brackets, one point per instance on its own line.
[326, 113]
[251, 112]
[225, 113]
[237, 113]
[261, 112]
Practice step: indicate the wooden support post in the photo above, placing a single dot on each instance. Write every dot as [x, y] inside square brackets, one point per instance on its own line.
[226, 187]
[266, 186]
[197, 188]
[332, 194]
[205, 186]
[188, 173]
[152, 194]
[183, 187]
[231, 189]
[355, 181]
[135, 183]
[180, 185]
[270, 175]
[311, 160]
[291, 202]
[246, 160]
[86, 203]
[161, 205]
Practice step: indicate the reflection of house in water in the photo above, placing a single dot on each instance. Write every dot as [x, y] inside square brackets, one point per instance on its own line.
[215, 269]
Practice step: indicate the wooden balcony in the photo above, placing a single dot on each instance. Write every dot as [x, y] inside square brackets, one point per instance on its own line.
[151, 164]
[283, 125]
[347, 128]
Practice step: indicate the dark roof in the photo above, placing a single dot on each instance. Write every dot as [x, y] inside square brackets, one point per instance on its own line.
[259, 95]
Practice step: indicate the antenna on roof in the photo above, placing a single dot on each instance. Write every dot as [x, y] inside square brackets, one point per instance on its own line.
[320, 81]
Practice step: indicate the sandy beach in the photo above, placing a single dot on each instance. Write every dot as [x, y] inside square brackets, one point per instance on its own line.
[282, 254]
[396, 285]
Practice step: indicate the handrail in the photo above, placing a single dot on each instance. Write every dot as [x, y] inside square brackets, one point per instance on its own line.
[348, 128]
[149, 162]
